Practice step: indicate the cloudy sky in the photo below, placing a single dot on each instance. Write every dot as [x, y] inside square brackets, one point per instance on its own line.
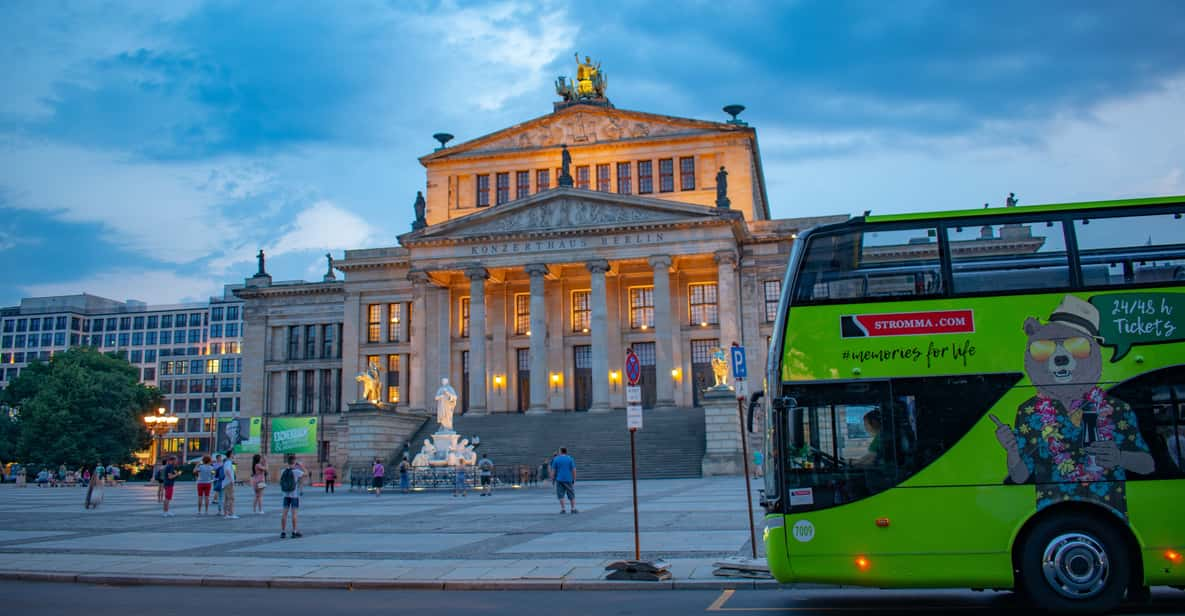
[148, 149]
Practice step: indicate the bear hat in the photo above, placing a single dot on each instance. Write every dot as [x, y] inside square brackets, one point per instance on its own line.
[1076, 313]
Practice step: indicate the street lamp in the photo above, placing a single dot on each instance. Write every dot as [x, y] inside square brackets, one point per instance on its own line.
[160, 424]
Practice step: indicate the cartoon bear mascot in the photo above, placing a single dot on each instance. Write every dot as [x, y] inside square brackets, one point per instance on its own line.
[1072, 440]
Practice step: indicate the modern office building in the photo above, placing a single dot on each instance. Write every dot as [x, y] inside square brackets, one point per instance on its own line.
[191, 352]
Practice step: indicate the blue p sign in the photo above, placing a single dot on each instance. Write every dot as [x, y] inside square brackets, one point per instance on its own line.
[739, 371]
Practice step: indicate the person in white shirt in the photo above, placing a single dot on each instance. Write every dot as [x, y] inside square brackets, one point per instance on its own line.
[228, 487]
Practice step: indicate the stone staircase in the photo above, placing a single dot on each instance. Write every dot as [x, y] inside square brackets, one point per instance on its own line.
[670, 445]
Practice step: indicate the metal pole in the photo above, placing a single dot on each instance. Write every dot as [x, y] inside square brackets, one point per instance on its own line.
[748, 484]
[634, 474]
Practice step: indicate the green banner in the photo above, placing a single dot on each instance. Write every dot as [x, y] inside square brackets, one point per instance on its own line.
[1129, 319]
[294, 435]
[242, 434]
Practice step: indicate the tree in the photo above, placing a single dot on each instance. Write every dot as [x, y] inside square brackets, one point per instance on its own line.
[83, 407]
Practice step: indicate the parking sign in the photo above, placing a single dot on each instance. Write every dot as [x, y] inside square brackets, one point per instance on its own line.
[739, 371]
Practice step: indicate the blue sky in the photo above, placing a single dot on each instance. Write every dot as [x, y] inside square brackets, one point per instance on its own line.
[148, 149]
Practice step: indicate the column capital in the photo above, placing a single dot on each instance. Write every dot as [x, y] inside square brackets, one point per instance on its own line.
[658, 261]
[598, 266]
[726, 257]
[477, 273]
[537, 269]
[418, 277]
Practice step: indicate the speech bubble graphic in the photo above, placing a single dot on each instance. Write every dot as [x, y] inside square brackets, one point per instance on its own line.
[1128, 319]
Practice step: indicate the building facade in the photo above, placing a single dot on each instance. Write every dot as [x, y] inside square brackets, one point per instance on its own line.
[191, 352]
[539, 255]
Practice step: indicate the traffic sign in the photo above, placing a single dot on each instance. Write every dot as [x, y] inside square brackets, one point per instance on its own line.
[739, 371]
[633, 416]
[633, 367]
[633, 394]
[742, 387]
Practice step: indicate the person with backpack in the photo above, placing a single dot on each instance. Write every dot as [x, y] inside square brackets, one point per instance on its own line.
[217, 485]
[486, 471]
[290, 480]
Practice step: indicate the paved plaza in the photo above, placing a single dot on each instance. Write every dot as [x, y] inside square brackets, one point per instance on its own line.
[516, 537]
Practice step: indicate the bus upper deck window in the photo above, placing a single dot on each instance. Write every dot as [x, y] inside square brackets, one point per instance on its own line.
[870, 263]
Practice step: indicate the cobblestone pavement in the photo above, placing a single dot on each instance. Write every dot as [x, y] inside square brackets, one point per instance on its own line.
[515, 536]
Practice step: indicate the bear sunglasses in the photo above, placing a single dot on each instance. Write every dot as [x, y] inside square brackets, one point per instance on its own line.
[1077, 346]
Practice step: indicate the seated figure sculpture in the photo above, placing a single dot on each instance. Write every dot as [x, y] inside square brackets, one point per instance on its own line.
[427, 452]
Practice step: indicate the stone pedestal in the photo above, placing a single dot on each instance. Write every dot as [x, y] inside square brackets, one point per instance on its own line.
[376, 433]
[722, 434]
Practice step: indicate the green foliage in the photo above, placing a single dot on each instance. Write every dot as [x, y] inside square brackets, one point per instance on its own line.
[9, 435]
[82, 407]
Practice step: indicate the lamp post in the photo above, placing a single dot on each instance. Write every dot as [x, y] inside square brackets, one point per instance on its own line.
[159, 424]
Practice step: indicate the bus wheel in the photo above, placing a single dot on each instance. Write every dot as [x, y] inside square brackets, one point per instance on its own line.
[1075, 563]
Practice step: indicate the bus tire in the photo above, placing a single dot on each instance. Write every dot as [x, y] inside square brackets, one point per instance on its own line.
[1075, 563]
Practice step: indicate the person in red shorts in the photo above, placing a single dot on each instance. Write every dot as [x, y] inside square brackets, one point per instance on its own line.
[168, 476]
[205, 480]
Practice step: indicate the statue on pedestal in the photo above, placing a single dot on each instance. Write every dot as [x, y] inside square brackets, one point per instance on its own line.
[371, 384]
[420, 207]
[424, 458]
[722, 200]
[262, 270]
[720, 368]
[446, 401]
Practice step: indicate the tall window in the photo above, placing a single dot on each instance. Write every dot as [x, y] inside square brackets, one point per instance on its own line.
[582, 177]
[503, 185]
[292, 384]
[581, 312]
[393, 379]
[374, 322]
[624, 183]
[666, 175]
[645, 177]
[293, 342]
[310, 392]
[641, 307]
[464, 315]
[483, 190]
[773, 292]
[522, 184]
[394, 315]
[603, 177]
[327, 391]
[327, 341]
[687, 173]
[522, 313]
[702, 298]
[310, 341]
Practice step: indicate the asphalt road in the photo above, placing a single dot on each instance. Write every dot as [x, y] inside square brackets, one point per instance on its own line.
[45, 599]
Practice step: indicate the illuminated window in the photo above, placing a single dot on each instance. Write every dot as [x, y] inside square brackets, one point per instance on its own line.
[483, 190]
[666, 175]
[773, 292]
[374, 321]
[503, 185]
[212, 366]
[641, 307]
[394, 315]
[645, 177]
[581, 312]
[522, 313]
[542, 180]
[603, 177]
[687, 173]
[464, 312]
[582, 177]
[624, 181]
[393, 379]
[522, 184]
[702, 298]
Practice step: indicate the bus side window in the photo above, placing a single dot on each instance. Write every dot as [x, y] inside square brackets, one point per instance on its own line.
[1008, 257]
[1158, 400]
[1131, 250]
[873, 262]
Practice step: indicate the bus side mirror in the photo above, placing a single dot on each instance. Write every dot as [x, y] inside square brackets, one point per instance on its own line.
[754, 400]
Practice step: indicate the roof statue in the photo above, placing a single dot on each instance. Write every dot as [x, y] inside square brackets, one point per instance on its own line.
[419, 206]
[588, 87]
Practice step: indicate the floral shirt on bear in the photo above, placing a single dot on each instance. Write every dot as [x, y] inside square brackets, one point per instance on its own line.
[1051, 447]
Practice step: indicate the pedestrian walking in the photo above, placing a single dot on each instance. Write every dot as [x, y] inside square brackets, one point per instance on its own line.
[377, 477]
[205, 480]
[169, 475]
[290, 480]
[563, 472]
[216, 486]
[485, 468]
[258, 482]
[330, 475]
[94, 489]
[228, 487]
[404, 475]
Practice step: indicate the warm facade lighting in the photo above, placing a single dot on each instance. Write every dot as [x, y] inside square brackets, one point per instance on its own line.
[676, 373]
[644, 326]
[1173, 556]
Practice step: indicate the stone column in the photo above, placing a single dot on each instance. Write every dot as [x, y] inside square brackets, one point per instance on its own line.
[599, 333]
[350, 338]
[726, 300]
[538, 339]
[477, 339]
[664, 332]
[417, 398]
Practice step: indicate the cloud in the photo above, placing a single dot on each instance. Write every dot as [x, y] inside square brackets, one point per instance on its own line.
[322, 226]
[151, 286]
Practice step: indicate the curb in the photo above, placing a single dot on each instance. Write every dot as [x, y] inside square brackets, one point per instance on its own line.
[372, 584]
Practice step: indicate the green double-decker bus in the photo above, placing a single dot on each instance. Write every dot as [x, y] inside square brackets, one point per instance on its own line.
[990, 399]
